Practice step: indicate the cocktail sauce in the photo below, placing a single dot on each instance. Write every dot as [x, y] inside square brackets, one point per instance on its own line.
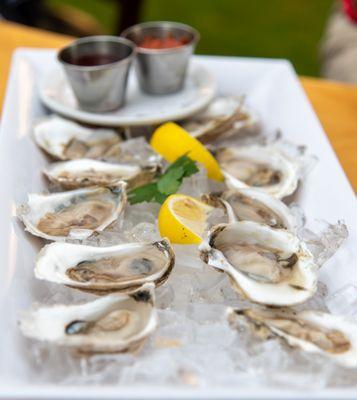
[168, 42]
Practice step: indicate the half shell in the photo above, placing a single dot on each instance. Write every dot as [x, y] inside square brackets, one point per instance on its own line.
[86, 172]
[248, 204]
[310, 330]
[75, 214]
[113, 323]
[264, 168]
[67, 140]
[224, 117]
[266, 265]
[121, 268]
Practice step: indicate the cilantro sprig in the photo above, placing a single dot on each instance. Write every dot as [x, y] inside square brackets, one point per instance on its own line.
[166, 184]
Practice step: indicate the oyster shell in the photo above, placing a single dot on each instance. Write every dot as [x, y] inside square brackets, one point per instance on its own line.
[113, 323]
[75, 214]
[223, 118]
[264, 168]
[67, 140]
[87, 172]
[310, 330]
[266, 265]
[119, 268]
[248, 204]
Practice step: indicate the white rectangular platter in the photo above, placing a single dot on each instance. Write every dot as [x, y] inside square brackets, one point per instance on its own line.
[274, 90]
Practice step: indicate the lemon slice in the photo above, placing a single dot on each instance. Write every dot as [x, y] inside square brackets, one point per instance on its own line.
[172, 141]
[182, 219]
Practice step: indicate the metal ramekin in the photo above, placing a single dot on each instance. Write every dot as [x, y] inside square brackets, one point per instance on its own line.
[162, 71]
[98, 88]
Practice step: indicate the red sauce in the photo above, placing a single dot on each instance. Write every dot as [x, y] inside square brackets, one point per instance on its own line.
[169, 42]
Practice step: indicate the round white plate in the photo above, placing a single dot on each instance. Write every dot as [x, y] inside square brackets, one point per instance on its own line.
[139, 108]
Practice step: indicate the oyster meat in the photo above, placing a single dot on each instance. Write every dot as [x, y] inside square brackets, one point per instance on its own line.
[67, 140]
[310, 330]
[226, 116]
[86, 172]
[121, 268]
[266, 265]
[76, 214]
[113, 323]
[264, 168]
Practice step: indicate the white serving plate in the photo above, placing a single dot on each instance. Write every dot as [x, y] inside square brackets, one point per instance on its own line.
[274, 90]
[139, 108]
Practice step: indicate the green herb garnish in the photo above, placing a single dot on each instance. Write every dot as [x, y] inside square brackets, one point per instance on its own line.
[166, 184]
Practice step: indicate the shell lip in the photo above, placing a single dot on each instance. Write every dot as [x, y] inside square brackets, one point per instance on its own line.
[164, 245]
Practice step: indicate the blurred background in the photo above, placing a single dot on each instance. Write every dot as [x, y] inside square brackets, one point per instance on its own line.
[291, 29]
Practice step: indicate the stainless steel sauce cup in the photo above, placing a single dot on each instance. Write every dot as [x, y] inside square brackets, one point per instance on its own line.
[97, 69]
[162, 71]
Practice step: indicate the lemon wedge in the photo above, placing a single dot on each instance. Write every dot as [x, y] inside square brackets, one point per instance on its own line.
[172, 141]
[182, 219]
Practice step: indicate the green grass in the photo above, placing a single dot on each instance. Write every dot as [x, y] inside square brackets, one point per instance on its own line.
[102, 10]
[272, 28]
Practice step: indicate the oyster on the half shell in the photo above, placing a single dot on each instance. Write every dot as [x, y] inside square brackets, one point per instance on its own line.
[67, 140]
[248, 204]
[112, 323]
[225, 117]
[264, 168]
[120, 268]
[266, 265]
[312, 331]
[74, 214]
[87, 172]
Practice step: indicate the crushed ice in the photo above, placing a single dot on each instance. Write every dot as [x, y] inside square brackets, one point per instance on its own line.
[194, 346]
[324, 243]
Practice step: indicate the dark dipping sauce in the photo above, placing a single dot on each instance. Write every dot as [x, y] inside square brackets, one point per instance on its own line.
[168, 42]
[92, 60]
